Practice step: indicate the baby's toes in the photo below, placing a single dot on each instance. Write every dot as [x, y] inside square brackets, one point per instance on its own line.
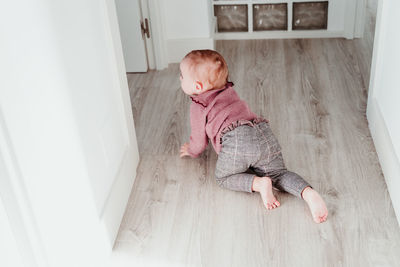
[270, 206]
[323, 216]
[317, 219]
[274, 205]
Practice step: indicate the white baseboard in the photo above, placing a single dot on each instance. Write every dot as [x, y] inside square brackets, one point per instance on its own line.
[178, 48]
[387, 156]
[279, 35]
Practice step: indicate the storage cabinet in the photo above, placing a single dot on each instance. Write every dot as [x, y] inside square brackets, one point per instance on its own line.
[254, 19]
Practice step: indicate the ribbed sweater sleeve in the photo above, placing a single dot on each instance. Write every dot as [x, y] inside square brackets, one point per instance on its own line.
[198, 135]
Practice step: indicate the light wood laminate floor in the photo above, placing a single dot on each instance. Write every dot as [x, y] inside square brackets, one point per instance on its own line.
[314, 92]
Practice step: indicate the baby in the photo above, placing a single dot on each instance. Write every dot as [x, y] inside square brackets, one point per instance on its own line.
[241, 139]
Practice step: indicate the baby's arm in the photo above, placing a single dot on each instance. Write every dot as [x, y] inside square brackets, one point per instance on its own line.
[198, 136]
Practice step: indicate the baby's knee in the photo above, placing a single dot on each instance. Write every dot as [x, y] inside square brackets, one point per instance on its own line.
[221, 181]
[277, 173]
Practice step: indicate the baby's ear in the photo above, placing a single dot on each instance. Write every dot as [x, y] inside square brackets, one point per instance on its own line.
[199, 86]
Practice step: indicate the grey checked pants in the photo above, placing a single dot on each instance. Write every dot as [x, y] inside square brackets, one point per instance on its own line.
[254, 147]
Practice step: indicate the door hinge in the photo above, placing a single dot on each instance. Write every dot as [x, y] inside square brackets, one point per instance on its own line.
[145, 27]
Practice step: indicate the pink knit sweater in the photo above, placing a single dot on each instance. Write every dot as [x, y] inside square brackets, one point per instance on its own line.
[210, 113]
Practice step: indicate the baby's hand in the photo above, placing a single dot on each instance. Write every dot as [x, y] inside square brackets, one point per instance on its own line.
[184, 150]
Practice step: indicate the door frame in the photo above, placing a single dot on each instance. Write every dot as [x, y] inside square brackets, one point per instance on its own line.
[158, 46]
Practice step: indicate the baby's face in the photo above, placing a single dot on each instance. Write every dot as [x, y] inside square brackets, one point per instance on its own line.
[188, 82]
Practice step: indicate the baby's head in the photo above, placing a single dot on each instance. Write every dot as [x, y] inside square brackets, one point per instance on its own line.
[203, 70]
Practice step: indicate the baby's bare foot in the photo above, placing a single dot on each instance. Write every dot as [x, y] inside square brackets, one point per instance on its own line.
[263, 185]
[316, 204]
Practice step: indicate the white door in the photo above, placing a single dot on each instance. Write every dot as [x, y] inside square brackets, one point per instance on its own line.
[132, 38]
[68, 150]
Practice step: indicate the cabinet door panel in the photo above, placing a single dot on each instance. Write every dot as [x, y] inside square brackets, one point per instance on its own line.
[310, 16]
[231, 18]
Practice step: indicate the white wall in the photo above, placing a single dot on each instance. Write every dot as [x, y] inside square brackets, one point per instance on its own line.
[336, 18]
[66, 127]
[186, 19]
[187, 27]
[180, 26]
[384, 96]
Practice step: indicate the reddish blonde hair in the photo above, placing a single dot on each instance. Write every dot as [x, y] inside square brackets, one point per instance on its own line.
[209, 66]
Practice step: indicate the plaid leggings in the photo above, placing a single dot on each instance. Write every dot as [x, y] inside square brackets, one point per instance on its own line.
[253, 146]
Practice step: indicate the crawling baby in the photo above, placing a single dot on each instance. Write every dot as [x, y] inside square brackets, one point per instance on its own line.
[241, 139]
